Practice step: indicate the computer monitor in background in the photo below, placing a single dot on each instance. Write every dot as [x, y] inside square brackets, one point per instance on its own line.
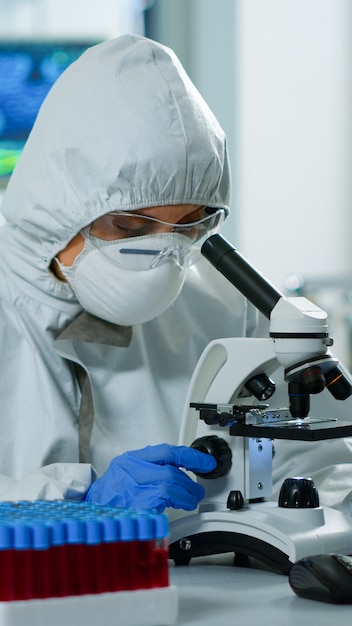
[28, 69]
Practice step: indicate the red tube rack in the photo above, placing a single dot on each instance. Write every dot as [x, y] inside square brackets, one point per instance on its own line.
[60, 548]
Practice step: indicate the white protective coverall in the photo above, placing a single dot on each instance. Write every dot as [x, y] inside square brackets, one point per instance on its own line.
[122, 129]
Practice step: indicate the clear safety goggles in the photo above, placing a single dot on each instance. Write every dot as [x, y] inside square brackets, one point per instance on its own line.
[142, 242]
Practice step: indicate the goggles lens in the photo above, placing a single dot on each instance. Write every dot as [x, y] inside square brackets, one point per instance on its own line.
[123, 225]
[142, 242]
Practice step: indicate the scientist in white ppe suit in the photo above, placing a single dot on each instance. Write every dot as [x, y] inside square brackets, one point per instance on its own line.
[106, 304]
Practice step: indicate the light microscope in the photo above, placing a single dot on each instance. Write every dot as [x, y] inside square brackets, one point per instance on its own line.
[230, 413]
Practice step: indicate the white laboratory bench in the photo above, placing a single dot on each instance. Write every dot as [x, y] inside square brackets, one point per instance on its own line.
[212, 591]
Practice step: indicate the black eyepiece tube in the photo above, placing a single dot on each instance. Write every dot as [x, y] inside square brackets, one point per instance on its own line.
[225, 258]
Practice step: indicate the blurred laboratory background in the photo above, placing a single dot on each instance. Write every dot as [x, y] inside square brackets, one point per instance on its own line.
[277, 74]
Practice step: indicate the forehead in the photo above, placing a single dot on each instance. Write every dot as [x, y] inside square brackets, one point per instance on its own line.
[170, 213]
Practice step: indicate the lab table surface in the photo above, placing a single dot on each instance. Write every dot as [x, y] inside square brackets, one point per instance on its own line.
[212, 591]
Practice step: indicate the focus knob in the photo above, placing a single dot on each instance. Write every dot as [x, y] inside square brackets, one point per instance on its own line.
[219, 449]
[298, 493]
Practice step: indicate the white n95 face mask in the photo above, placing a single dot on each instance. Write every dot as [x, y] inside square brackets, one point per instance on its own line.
[129, 281]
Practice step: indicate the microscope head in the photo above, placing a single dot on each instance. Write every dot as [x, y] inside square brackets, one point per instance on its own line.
[298, 328]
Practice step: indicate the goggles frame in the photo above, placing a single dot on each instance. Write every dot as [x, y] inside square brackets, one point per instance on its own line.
[164, 242]
[111, 226]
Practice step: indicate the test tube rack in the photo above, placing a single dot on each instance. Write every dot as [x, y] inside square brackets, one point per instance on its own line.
[67, 563]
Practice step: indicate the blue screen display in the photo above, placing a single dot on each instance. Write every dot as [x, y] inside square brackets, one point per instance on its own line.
[28, 69]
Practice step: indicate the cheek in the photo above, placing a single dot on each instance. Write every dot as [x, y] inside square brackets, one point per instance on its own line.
[68, 255]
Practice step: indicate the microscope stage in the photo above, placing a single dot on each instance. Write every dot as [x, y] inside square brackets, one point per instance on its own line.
[308, 429]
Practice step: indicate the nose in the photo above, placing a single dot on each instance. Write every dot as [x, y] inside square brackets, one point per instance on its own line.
[157, 229]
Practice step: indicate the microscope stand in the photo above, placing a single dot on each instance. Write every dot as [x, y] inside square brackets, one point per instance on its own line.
[263, 529]
[268, 531]
[275, 536]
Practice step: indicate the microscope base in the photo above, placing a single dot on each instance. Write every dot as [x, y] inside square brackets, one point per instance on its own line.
[273, 535]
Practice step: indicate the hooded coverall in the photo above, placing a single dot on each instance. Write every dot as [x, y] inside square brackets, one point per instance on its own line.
[122, 129]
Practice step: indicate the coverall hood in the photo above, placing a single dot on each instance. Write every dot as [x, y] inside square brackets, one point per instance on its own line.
[123, 128]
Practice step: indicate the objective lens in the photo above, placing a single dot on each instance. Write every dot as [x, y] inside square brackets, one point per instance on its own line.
[313, 379]
[299, 400]
[338, 383]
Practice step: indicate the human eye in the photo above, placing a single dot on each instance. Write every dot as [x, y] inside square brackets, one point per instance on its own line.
[115, 226]
[195, 216]
[126, 226]
[123, 229]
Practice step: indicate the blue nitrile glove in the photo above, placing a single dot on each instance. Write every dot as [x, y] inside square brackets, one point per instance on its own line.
[150, 478]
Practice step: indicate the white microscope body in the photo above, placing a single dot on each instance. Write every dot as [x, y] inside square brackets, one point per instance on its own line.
[229, 412]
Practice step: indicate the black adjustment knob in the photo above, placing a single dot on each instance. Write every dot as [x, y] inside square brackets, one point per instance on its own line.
[235, 500]
[261, 386]
[218, 448]
[298, 493]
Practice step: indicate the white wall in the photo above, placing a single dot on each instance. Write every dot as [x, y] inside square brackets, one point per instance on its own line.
[102, 19]
[294, 123]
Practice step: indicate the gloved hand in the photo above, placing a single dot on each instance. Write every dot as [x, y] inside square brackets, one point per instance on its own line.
[150, 478]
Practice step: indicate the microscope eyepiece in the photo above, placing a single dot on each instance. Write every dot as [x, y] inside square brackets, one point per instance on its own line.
[225, 258]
